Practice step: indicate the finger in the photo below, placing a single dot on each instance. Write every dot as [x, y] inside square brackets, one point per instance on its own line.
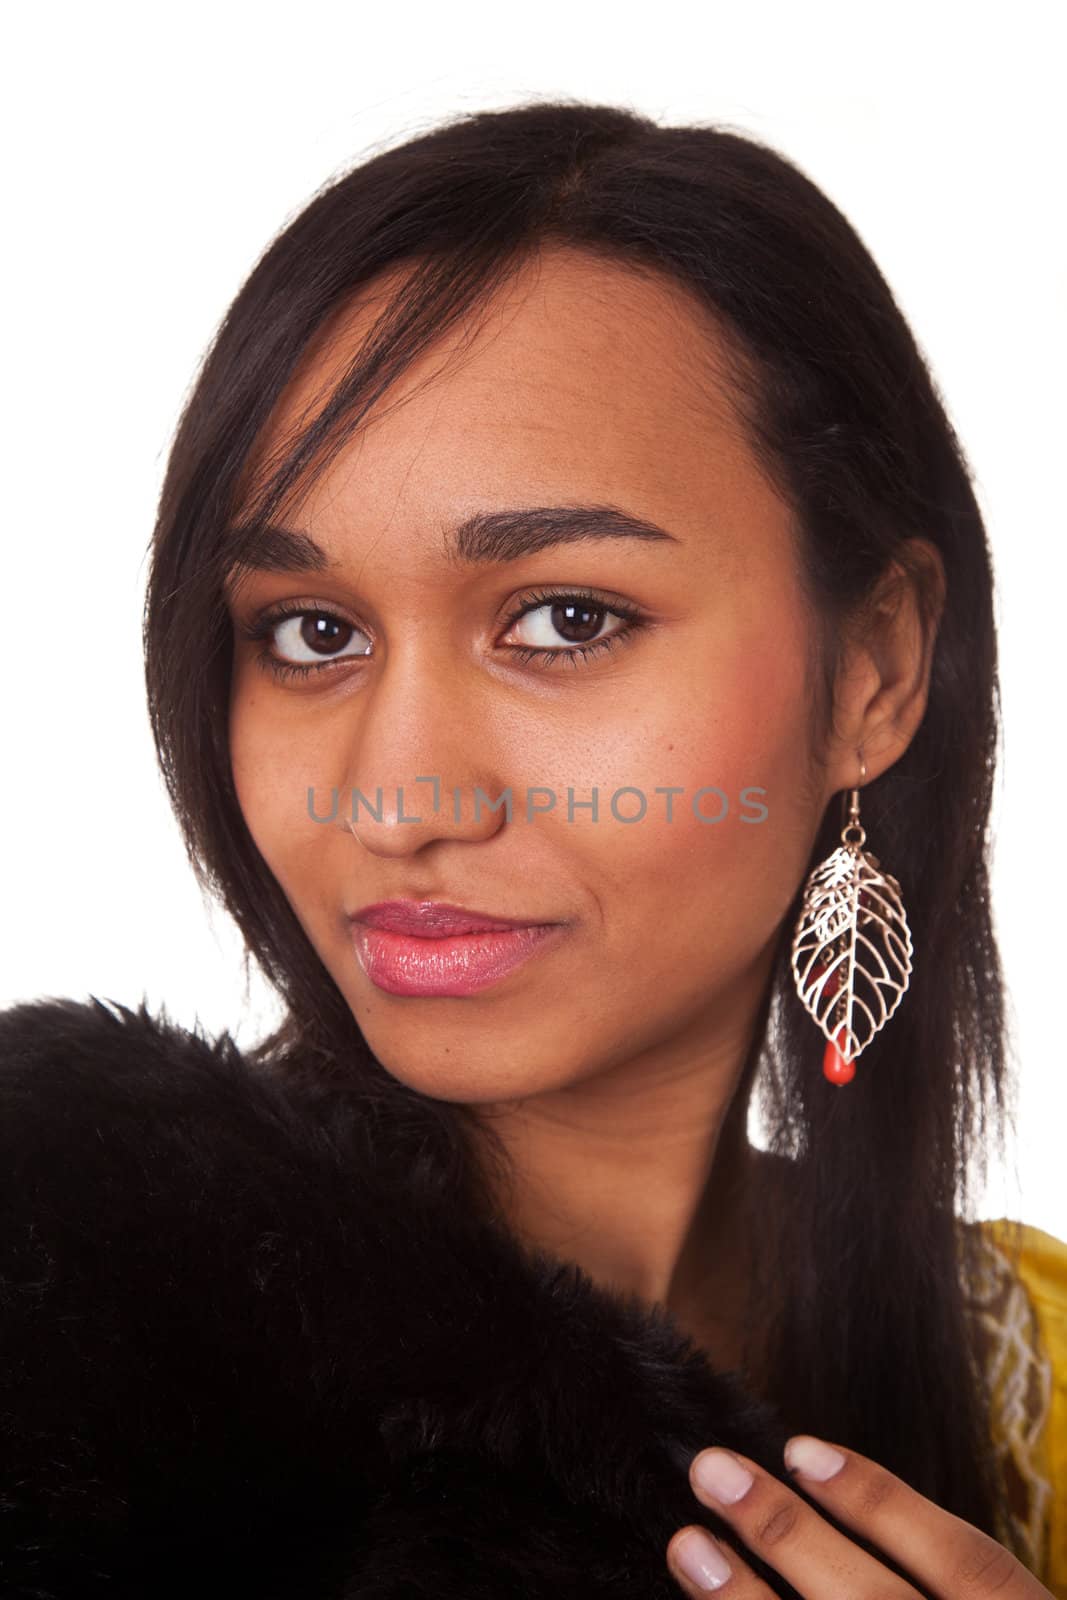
[699, 1563]
[788, 1534]
[948, 1556]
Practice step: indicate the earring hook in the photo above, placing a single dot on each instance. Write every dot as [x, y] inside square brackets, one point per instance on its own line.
[852, 830]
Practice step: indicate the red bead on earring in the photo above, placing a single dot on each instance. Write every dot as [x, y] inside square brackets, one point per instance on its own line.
[835, 1067]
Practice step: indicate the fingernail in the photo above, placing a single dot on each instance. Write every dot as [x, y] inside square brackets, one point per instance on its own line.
[722, 1476]
[812, 1458]
[701, 1560]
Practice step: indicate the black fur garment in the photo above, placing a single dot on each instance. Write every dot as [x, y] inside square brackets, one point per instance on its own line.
[237, 1358]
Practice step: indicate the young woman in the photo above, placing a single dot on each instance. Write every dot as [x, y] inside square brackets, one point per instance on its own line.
[563, 529]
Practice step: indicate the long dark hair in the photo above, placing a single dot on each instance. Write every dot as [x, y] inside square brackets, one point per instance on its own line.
[863, 1279]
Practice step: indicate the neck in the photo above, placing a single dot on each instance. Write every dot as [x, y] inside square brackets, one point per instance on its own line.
[640, 1176]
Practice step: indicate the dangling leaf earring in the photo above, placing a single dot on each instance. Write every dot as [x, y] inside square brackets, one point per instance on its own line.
[852, 947]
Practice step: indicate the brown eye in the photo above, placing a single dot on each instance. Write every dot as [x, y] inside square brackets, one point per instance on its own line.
[569, 619]
[311, 636]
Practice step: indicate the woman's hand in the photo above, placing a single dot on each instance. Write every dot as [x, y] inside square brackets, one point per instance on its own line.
[949, 1557]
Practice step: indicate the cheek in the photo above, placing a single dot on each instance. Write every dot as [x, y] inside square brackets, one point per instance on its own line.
[275, 761]
[256, 766]
[705, 894]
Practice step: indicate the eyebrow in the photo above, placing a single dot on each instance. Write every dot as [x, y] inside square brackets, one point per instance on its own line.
[487, 537]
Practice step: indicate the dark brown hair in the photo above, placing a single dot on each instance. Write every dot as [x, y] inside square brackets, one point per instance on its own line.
[863, 1282]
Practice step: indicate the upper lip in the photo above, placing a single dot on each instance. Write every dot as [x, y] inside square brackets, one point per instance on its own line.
[433, 918]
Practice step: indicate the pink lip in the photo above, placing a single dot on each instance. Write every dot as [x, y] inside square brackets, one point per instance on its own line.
[429, 948]
[432, 918]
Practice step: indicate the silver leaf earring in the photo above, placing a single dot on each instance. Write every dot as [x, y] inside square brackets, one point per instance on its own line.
[852, 948]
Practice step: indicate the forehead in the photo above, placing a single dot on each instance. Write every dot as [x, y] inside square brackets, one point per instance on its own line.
[577, 375]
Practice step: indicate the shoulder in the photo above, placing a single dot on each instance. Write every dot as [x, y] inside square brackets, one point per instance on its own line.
[66, 1032]
[92, 1046]
[133, 1149]
[65, 1062]
[193, 1278]
[1021, 1299]
[152, 1163]
[1039, 1259]
[92, 1091]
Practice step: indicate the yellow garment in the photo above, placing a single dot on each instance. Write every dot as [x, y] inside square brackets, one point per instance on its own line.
[1022, 1303]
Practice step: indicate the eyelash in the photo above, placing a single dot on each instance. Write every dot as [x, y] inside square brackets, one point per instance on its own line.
[263, 627]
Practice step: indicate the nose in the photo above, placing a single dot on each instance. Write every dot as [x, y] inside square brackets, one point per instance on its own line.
[418, 770]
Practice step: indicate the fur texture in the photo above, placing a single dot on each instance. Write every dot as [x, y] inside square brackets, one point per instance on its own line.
[237, 1357]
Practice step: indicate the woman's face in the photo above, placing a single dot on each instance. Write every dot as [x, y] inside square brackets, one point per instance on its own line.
[587, 385]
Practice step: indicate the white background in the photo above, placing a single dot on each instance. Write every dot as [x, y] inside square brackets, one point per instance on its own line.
[150, 155]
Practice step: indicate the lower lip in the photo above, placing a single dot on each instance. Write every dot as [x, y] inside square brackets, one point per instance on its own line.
[402, 963]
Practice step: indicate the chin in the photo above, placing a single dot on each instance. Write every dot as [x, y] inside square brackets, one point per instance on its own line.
[463, 1075]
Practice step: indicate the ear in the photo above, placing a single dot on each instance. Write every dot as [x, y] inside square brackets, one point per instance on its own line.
[883, 680]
